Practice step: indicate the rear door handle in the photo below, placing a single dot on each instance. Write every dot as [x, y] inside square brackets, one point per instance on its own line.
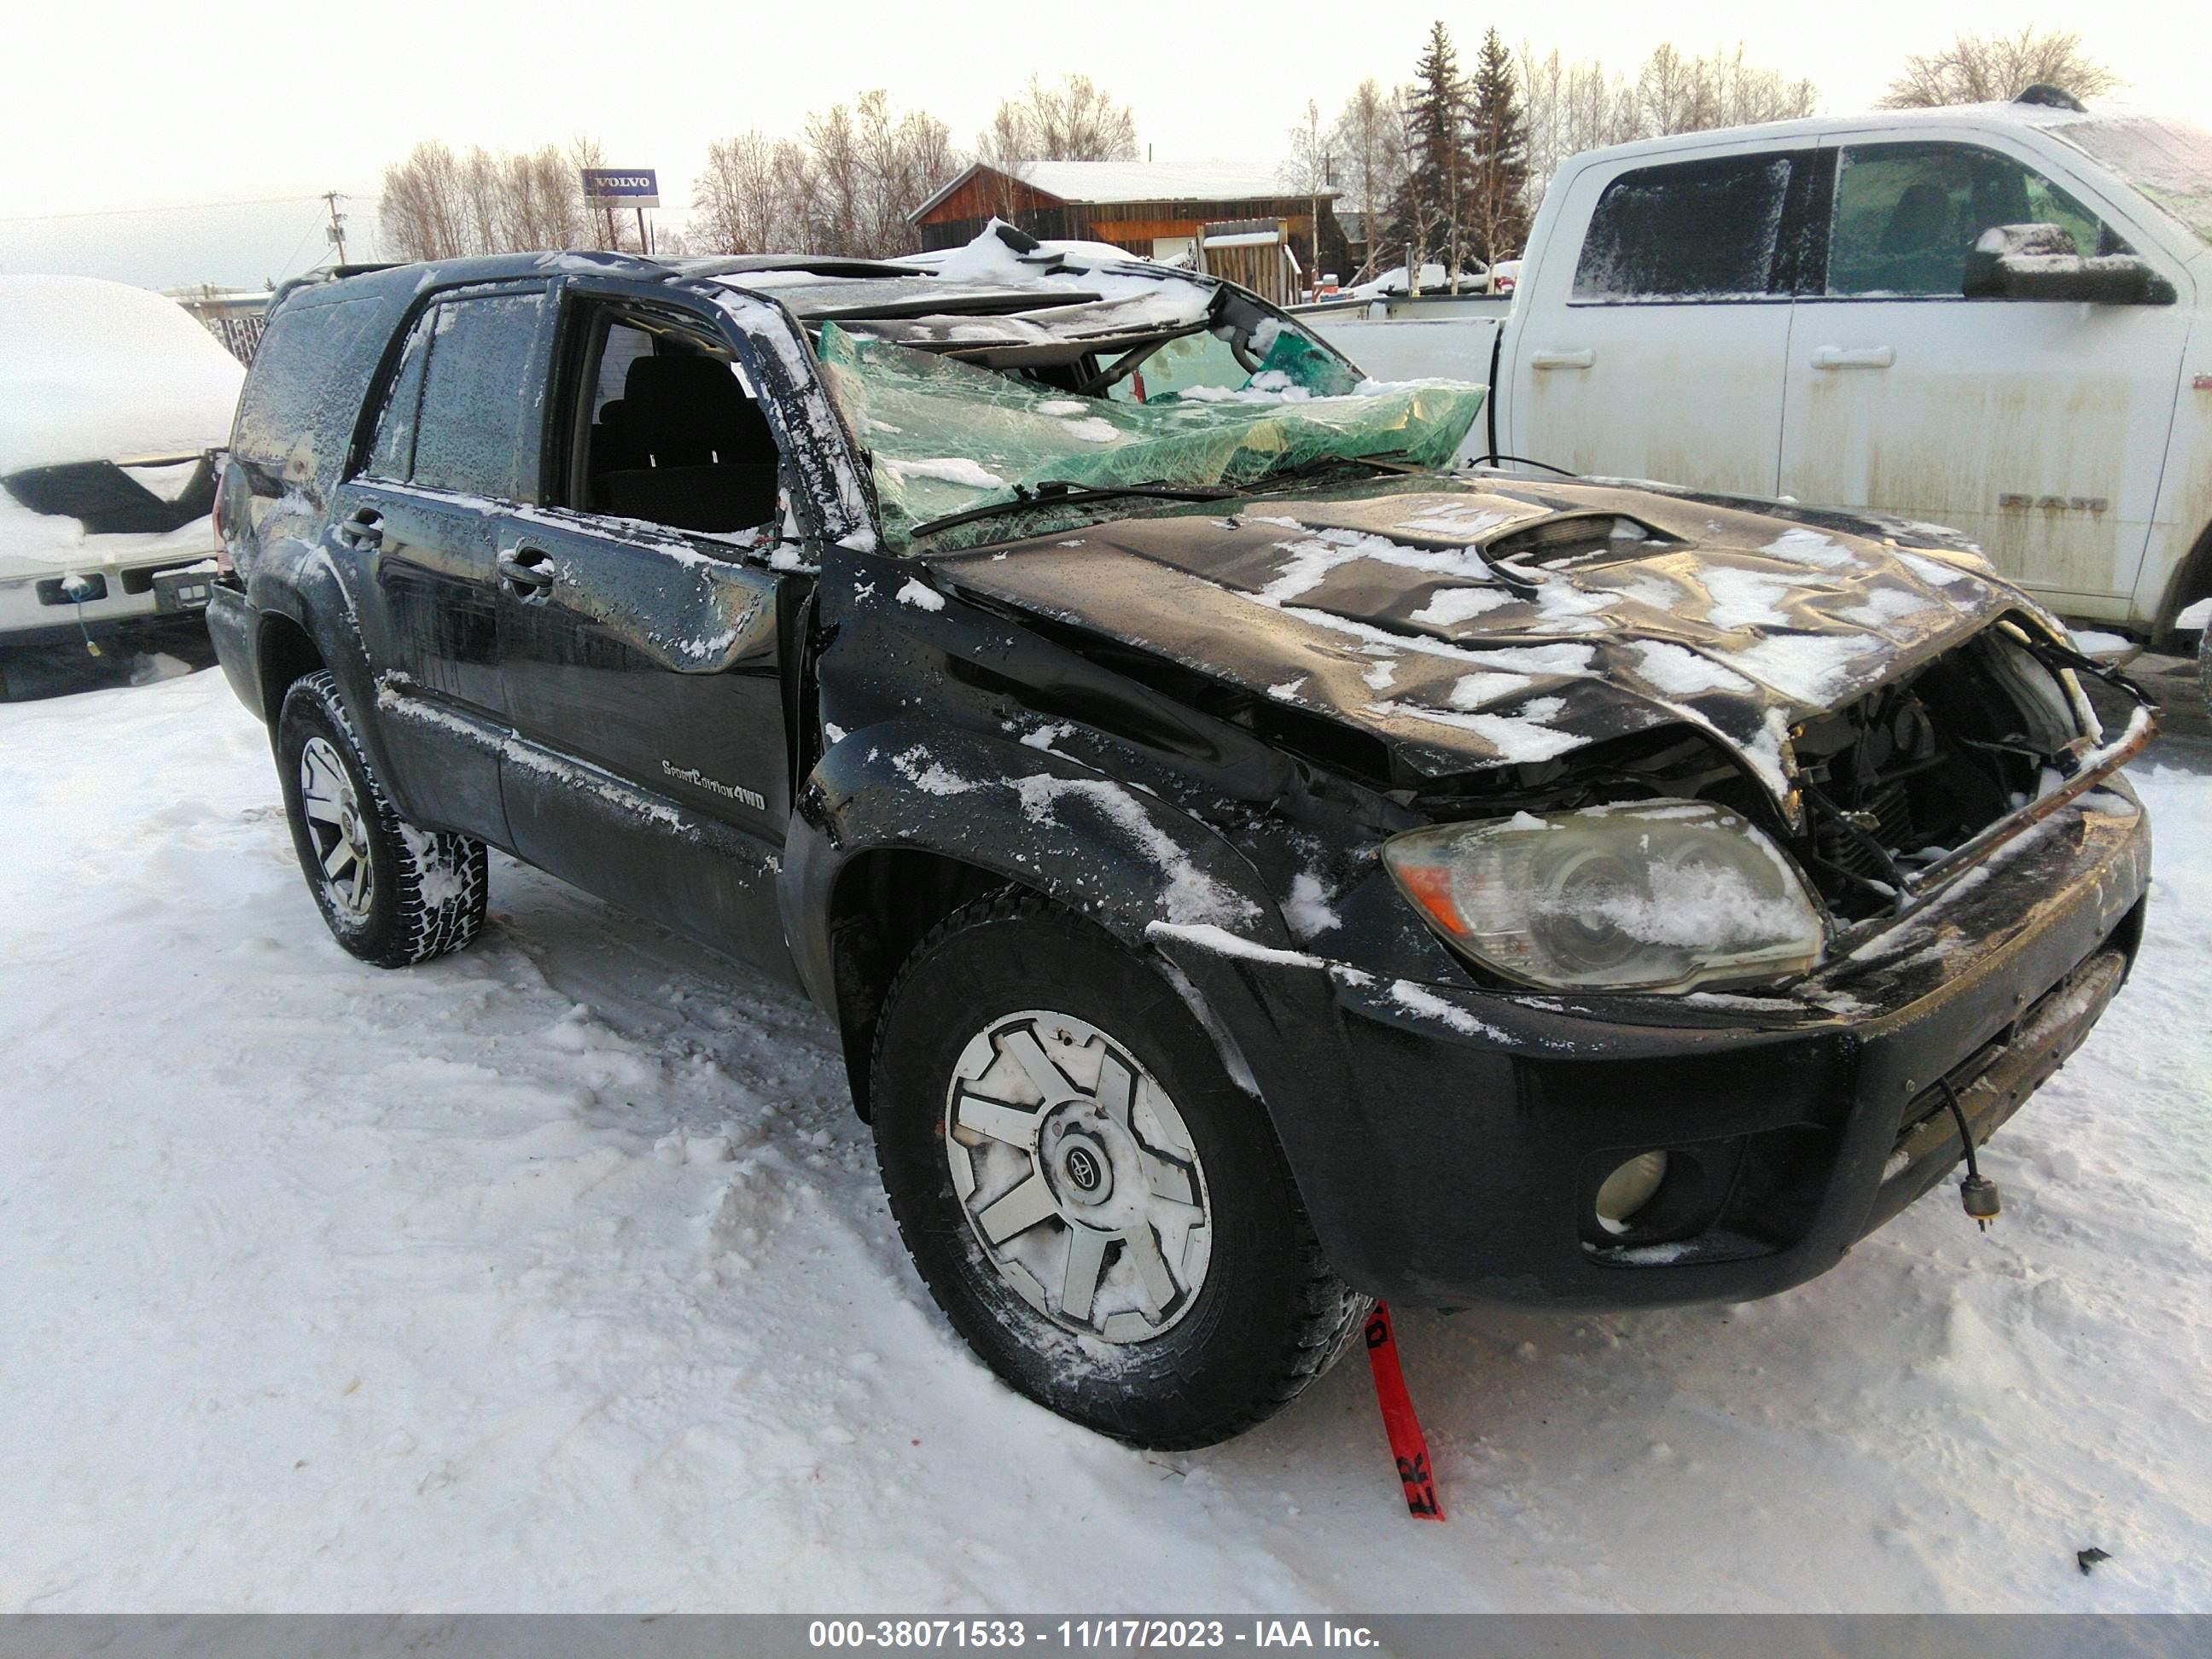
[363, 528]
[1854, 356]
[1580, 357]
[527, 571]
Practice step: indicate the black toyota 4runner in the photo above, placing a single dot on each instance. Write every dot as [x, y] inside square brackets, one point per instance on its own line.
[1254, 866]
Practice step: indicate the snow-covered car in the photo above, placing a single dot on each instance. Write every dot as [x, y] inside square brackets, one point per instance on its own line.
[1435, 280]
[1250, 869]
[110, 400]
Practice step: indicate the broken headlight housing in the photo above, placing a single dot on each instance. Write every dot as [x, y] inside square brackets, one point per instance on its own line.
[1648, 896]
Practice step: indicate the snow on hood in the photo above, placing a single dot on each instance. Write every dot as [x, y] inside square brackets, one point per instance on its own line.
[1375, 606]
[93, 370]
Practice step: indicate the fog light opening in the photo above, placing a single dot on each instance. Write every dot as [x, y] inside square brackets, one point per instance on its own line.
[1628, 1189]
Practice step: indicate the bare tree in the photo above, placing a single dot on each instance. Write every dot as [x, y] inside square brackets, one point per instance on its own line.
[1076, 120]
[438, 205]
[1977, 69]
[1370, 134]
[845, 188]
[751, 196]
[424, 212]
[1574, 105]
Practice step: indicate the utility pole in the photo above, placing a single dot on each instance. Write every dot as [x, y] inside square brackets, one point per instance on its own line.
[335, 234]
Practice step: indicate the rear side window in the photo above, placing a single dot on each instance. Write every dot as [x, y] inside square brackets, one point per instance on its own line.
[1693, 230]
[296, 414]
[391, 453]
[476, 430]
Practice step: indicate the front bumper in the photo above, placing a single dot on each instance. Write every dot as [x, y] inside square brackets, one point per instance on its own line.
[1447, 1141]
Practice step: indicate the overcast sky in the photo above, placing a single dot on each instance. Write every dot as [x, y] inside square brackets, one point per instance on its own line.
[110, 108]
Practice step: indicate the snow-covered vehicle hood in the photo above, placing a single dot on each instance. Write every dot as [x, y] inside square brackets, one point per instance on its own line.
[1475, 623]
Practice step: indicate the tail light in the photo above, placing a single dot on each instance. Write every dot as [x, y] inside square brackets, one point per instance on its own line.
[222, 560]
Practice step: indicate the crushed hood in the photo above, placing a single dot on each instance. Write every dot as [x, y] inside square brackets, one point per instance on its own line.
[1620, 609]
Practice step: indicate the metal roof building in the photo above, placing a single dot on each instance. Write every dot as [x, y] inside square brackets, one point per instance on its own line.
[1232, 220]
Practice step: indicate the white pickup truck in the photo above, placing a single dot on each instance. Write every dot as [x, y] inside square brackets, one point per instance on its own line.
[1853, 311]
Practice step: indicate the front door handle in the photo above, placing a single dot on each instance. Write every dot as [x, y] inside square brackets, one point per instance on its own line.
[1854, 356]
[363, 528]
[528, 572]
[1580, 357]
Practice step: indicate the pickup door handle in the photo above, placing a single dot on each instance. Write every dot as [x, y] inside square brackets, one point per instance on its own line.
[363, 528]
[1854, 356]
[527, 571]
[1582, 357]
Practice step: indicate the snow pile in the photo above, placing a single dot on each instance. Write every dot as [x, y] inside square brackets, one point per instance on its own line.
[93, 371]
[556, 1275]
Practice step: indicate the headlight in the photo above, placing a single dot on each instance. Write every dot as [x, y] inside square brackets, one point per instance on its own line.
[1649, 895]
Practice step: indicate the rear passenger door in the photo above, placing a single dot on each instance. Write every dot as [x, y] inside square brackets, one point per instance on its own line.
[1658, 350]
[453, 453]
[643, 629]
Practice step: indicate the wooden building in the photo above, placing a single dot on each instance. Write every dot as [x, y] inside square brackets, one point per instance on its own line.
[1259, 234]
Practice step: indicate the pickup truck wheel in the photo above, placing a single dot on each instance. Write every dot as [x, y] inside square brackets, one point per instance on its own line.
[392, 895]
[1099, 1210]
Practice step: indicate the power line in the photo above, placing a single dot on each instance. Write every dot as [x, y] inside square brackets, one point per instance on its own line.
[181, 207]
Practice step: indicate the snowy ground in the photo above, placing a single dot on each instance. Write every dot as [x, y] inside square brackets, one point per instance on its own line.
[557, 1276]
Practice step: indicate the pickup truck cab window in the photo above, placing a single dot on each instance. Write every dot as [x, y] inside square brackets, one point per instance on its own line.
[1708, 229]
[1716, 240]
[1906, 216]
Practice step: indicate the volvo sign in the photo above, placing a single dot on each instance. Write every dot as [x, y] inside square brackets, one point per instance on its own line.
[629, 187]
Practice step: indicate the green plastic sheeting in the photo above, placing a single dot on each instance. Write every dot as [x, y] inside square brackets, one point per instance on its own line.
[946, 435]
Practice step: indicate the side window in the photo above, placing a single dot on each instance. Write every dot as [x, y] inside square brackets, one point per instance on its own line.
[392, 454]
[302, 396]
[670, 432]
[1906, 216]
[479, 401]
[1692, 230]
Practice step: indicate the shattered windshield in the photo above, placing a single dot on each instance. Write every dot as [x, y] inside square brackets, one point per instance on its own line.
[946, 436]
[2169, 161]
[979, 378]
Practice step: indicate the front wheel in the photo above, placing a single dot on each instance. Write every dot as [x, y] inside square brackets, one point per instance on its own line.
[391, 894]
[1099, 1210]
[2205, 663]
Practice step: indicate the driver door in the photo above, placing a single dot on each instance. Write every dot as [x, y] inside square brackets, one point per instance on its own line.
[643, 636]
[2035, 427]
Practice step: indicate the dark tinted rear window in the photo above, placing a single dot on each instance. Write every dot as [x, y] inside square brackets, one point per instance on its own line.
[302, 396]
[1694, 230]
[482, 395]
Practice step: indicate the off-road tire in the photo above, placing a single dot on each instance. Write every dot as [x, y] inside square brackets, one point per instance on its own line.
[427, 887]
[1268, 1316]
[2204, 666]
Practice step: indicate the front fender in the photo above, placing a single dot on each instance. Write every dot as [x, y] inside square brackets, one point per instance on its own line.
[1124, 857]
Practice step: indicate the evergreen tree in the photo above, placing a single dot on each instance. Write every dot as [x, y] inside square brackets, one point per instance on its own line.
[1500, 146]
[1432, 209]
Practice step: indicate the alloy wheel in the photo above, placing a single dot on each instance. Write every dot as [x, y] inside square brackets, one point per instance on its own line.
[335, 823]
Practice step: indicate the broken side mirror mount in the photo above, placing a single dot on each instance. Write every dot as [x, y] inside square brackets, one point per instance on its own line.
[2041, 262]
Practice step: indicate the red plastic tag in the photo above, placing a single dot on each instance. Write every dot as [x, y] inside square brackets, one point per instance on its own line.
[1407, 1443]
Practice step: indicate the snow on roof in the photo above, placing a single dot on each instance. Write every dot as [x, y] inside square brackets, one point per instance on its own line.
[1139, 181]
[1152, 181]
[92, 370]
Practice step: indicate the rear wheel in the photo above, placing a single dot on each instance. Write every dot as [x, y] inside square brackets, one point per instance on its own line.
[2204, 665]
[1100, 1213]
[391, 894]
